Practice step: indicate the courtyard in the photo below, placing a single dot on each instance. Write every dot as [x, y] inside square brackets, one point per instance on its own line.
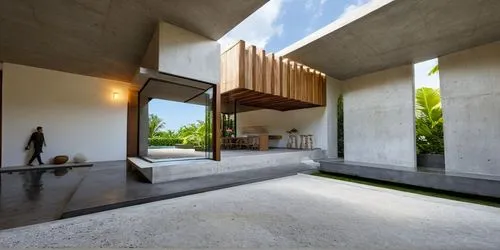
[296, 211]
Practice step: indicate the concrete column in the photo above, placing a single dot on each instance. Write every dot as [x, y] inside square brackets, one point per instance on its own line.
[143, 124]
[470, 92]
[132, 123]
[379, 124]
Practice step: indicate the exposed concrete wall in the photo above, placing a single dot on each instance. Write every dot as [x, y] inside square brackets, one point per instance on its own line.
[320, 122]
[379, 118]
[187, 54]
[470, 91]
[77, 113]
[151, 58]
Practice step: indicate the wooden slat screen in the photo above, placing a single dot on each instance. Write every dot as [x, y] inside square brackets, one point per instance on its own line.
[252, 69]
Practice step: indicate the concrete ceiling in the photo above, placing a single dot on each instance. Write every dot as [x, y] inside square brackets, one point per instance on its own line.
[104, 38]
[169, 91]
[389, 33]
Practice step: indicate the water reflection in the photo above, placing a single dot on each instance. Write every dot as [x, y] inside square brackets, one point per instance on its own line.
[32, 183]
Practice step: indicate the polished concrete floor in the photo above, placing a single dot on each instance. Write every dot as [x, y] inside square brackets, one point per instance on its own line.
[297, 211]
[158, 154]
[20, 206]
[107, 186]
[173, 153]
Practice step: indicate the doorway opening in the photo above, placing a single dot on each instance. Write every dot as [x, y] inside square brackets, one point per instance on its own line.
[429, 122]
[340, 127]
[177, 121]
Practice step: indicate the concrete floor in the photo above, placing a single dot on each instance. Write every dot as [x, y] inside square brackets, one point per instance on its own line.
[174, 153]
[297, 211]
[107, 186]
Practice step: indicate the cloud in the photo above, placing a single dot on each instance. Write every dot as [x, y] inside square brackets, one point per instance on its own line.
[354, 6]
[258, 28]
[309, 4]
[316, 7]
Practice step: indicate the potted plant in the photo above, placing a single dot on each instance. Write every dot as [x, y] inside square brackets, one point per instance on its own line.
[229, 132]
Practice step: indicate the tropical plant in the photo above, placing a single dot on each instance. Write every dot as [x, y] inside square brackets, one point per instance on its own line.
[160, 141]
[428, 105]
[194, 134]
[167, 134]
[434, 70]
[429, 121]
[155, 125]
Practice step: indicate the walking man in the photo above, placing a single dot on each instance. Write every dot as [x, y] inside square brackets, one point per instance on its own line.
[38, 142]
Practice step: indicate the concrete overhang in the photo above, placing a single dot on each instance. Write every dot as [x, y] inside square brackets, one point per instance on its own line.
[104, 38]
[388, 33]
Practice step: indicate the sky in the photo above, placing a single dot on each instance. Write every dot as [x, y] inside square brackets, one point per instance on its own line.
[276, 25]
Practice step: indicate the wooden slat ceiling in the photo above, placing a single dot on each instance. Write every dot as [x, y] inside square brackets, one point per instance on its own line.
[252, 78]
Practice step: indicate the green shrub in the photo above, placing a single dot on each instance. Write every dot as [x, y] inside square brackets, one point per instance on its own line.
[429, 121]
[159, 141]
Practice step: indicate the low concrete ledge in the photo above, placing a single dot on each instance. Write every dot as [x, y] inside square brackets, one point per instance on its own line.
[488, 186]
[158, 172]
[44, 167]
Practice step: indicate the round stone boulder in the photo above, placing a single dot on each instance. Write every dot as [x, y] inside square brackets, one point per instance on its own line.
[79, 158]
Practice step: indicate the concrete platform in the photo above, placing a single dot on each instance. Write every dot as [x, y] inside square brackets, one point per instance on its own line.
[482, 185]
[288, 213]
[234, 160]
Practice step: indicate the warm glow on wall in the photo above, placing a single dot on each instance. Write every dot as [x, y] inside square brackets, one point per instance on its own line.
[115, 96]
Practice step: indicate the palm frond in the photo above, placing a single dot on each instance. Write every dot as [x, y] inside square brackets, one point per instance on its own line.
[434, 70]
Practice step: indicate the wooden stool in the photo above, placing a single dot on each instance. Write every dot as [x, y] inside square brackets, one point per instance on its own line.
[292, 141]
[303, 141]
[310, 141]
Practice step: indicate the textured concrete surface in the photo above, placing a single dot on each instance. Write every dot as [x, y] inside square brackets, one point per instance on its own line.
[435, 178]
[298, 211]
[104, 38]
[187, 54]
[379, 118]
[470, 92]
[389, 33]
[107, 186]
[231, 161]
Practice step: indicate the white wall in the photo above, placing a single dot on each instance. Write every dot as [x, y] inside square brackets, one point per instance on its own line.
[77, 113]
[306, 121]
[379, 118]
[187, 54]
[470, 91]
[321, 122]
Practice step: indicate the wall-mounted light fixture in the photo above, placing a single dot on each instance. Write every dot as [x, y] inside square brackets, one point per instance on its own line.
[115, 96]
